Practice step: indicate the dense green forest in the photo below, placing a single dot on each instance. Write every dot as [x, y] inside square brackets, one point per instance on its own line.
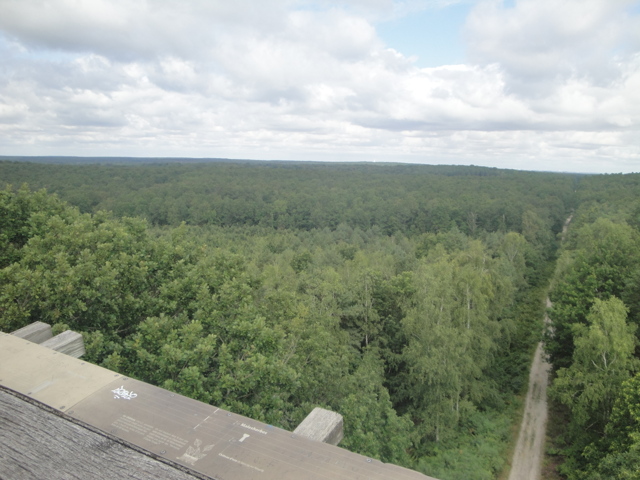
[410, 199]
[594, 343]
[408, 298]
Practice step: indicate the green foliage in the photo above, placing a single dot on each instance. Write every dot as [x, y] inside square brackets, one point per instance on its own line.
[452, 335]
[594, 341]
[21, 217]
[476, 453]
[91, 272]
[602, 360]
[174, 353]
[601, 262]
[617, 456]
[400, 297]
[411, 199]
[625, 425]
[372, 426]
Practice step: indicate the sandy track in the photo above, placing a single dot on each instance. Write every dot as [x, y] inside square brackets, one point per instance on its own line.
[527, 457]
[526, 463]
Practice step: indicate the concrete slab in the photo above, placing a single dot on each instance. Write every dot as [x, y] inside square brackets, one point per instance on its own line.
[36, 332]
[218, 443]
[68, 342]
[322, 425]
[52, 378]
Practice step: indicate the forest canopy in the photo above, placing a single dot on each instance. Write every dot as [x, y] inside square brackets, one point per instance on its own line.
[408, 298]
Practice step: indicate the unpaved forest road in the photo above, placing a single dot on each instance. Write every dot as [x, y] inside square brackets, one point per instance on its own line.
[527, 457]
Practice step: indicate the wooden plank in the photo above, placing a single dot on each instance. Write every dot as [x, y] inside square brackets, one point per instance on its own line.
[322, 426]
[35, 443]
[68, 342]
[36, 332]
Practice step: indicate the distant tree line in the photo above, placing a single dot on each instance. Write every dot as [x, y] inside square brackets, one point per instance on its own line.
[412, 199]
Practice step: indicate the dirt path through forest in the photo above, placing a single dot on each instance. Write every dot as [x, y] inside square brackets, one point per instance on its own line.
[527, 457]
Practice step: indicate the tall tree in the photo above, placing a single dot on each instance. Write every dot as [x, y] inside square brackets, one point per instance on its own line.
[602, 361]
[602, 257]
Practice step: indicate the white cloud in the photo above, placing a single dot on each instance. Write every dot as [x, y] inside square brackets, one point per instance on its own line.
[536, 41]
[551, 79]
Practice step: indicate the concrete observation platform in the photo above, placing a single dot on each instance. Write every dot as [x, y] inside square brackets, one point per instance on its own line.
[61, 417]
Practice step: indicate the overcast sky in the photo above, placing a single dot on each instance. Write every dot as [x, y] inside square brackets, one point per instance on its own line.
[525, 84]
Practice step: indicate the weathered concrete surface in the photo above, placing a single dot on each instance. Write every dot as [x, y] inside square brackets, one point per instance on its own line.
[68, 342]
[322, 426]
[36, 332]
[50, 377]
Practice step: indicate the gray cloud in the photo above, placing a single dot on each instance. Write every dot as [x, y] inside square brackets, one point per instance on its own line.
[540, 42]
[285, 79]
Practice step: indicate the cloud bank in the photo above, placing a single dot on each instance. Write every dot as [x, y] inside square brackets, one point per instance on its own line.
[548, 85]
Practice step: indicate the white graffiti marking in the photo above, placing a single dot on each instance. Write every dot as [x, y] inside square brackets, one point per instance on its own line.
[124, 394]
